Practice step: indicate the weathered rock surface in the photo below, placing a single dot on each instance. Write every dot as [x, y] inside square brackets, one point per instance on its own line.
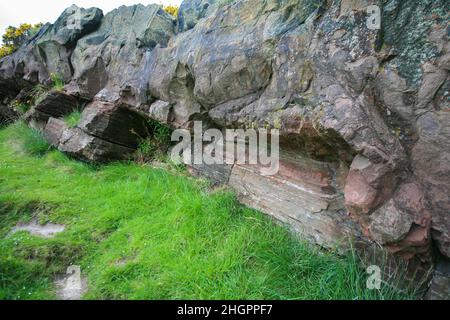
[117, 123]
[363, 114]
[49, 51]
[431, 162]
[440, 285]
[48, 230]
[83, 146]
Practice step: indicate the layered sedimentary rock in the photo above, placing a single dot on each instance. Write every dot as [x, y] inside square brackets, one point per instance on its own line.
[363, 112]
[55, 104]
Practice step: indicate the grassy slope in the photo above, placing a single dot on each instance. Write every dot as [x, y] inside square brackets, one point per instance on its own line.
[145, 233]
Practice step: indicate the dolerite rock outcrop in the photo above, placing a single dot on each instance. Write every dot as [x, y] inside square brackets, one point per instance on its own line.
[363, 113]
[112, 58]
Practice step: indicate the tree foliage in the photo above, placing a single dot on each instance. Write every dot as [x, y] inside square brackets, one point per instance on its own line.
[14, 37]
[172, 10]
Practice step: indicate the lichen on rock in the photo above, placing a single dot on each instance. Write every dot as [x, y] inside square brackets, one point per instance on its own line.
[363, 114]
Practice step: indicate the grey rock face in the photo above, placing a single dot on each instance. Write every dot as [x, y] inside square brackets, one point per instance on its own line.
[191, 11]
[315, 71]
[7, 115]
[160, 111]
[56, 104]
[440, 286]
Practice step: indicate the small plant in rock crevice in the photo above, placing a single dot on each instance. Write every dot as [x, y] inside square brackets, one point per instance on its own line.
[37, 93]
[57, 82]
[20, 106]
[156, 145]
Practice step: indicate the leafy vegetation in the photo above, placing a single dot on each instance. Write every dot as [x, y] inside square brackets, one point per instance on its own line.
[37, 93]
[15, 37]
[57, 82]
[31, 140]
[172, 10]
[144, 233]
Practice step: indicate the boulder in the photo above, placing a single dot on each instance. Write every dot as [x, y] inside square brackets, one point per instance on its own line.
[403, 220]
[368, 185]
[116, 123]
[78, 144]
[56, 104]
[105, 132]
[97, 138]
[54, 130]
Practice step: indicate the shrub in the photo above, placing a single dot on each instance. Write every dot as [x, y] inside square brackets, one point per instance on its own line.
[172, 10]
[6, 50]
[57, 81]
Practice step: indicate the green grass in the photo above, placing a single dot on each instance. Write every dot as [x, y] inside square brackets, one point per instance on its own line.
[73, 119]
[57, 82]
[156, 146]
[144, 233]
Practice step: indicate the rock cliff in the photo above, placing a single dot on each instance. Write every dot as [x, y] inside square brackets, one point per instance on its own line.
[363, 113]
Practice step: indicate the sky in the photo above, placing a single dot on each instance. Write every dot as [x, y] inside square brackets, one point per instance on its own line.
[15, 12]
